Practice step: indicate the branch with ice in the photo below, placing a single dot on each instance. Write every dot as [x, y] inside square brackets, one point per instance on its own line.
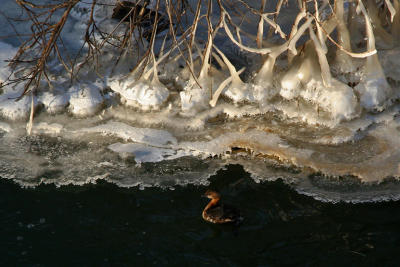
[238, 91]
[147, 92]
[198, 92]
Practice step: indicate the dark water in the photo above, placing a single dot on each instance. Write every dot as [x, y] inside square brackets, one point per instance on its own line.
[103, 225]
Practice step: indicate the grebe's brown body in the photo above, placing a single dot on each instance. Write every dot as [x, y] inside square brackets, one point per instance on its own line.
[216, 212]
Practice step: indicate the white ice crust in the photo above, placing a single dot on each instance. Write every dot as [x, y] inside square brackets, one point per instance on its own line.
[145, 153]
[148, 136]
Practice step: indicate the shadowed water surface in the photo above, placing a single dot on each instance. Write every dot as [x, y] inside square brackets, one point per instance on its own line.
[103, 225]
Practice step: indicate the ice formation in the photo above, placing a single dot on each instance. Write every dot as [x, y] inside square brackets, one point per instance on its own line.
[300, 88]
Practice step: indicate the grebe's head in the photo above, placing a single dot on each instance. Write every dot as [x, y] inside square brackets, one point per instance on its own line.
[211, 194]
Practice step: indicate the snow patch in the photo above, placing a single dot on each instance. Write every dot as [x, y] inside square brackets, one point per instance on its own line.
[13, 109]
[85, 100]
[54, 103]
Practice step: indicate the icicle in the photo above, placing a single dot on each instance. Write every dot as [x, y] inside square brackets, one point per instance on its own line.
[370, 34]
[30, 123]
[343, 61]
[303, 68]
[206, 61]
[260, 30]
[155, 81]
[374, 90]
[264, 75]
[354, 25]
[343, 32]
[323, 62]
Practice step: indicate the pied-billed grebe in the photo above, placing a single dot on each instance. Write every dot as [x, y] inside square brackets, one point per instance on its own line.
[217, 212]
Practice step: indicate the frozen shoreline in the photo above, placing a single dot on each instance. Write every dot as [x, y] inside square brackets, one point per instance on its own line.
[333, 122]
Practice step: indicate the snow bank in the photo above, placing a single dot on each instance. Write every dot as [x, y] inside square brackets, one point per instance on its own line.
[141, 94]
